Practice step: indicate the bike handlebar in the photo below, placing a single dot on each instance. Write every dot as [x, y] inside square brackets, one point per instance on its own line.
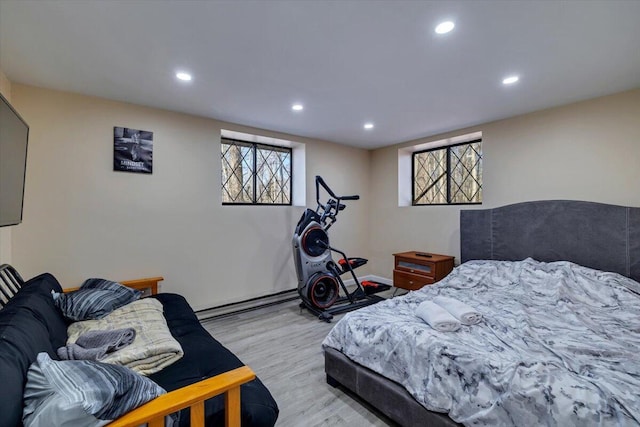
[320, 182]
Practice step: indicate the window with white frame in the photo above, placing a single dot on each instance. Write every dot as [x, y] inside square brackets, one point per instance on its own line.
[450, 175]
[255, 173]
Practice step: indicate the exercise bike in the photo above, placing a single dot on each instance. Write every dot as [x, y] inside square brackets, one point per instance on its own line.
[319, 280]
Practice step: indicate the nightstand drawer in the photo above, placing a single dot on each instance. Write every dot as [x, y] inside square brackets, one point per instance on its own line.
[411, 266]
[414, 269]
[404, 280]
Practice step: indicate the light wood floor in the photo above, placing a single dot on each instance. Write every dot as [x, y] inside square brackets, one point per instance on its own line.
[283, 347]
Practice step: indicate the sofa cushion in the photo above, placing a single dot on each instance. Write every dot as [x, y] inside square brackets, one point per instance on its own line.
[205, 357]
[95, 299]
[29, 324]
[82, 392]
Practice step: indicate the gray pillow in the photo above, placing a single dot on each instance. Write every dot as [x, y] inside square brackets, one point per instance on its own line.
[95, 299]
[82, 392]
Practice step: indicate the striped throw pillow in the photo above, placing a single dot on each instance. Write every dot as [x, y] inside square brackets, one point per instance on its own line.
[82, 392]
[94, 300]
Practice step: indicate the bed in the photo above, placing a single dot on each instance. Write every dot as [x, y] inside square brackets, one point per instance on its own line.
[557, 283]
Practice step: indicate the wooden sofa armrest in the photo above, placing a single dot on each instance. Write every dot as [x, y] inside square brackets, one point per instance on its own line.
[192, 396]
[140, 284]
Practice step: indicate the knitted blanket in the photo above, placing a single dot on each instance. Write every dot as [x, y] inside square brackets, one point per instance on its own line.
[153, 349]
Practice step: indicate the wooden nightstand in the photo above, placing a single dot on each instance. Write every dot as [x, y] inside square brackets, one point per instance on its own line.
[414, 270]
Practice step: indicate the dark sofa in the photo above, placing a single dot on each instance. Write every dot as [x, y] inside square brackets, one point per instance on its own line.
[30, 323]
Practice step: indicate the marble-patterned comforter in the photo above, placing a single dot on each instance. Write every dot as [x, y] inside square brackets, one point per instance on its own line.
[559, 345]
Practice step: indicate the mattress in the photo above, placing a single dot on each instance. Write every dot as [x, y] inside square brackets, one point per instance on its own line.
[558, 345]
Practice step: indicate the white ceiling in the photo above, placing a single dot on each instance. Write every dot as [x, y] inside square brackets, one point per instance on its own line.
[348, 62]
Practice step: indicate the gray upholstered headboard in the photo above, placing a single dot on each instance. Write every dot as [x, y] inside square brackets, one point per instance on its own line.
[596, 235]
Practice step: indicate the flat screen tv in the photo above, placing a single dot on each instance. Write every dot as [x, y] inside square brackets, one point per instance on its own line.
[14, 135]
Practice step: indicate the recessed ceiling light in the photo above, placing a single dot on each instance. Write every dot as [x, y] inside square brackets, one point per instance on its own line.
[368, 125]
[510, 80]
[185, 77]
[297, 107]
[445, 27]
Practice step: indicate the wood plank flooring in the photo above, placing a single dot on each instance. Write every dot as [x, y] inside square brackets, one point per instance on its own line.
[283, 347]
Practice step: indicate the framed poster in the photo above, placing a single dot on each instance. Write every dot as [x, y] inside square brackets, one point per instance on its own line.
[132, 150]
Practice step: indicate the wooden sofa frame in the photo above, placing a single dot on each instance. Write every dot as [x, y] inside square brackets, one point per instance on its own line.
[192, 396]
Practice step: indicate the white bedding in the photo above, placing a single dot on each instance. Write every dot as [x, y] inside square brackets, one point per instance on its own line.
[559, 345]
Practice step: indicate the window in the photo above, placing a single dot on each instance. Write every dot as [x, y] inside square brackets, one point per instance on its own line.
[257, 174]
[449, 175]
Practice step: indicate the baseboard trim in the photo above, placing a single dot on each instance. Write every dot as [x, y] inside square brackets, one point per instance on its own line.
[247, 305]
[271, 299]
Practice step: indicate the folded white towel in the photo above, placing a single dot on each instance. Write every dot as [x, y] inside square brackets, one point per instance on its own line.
[437, 317]
[466, 314]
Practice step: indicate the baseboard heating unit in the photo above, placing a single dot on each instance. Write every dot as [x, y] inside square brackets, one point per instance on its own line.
[247, 305]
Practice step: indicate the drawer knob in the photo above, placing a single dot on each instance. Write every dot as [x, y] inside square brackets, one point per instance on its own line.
[412, 271]
[411, 282]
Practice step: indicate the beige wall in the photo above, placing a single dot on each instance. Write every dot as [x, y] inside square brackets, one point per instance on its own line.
[5, 86]
[584, 151]
[5, 232]
[82, 219]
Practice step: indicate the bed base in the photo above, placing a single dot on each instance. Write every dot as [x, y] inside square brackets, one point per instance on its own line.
[385, 395]
[600, 236]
